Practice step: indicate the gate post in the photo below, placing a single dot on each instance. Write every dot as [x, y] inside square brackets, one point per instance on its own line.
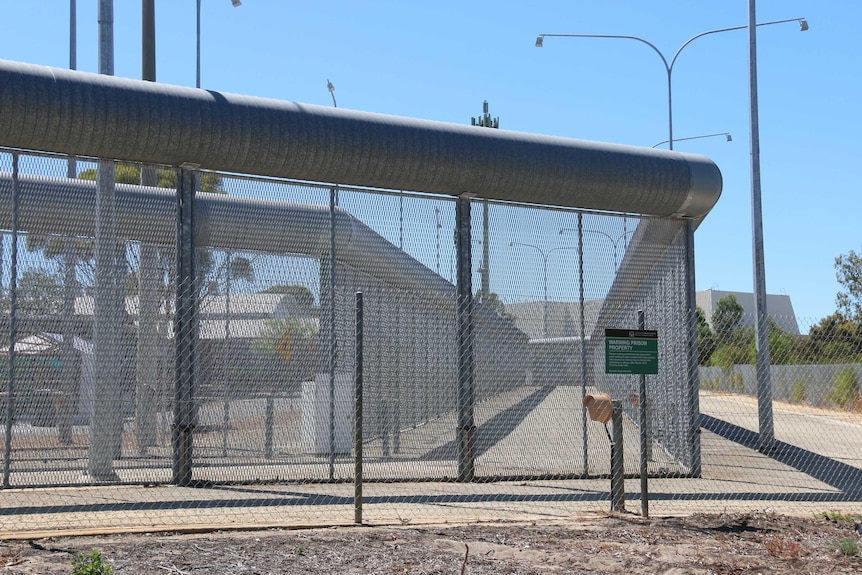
[185, 330]
[464, 318]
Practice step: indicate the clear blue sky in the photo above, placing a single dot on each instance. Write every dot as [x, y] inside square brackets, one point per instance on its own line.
[440, 60]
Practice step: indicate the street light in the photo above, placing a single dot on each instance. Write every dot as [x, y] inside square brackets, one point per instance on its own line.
[803, 26]
[727, 136]
[614, 241]
[545, 256]
[764, 392]
[331, 89]
[236, 4]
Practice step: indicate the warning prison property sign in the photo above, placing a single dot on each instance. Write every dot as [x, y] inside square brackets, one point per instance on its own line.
[631, 351]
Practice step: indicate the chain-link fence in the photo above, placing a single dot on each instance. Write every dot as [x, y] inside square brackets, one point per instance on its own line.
[131, 360]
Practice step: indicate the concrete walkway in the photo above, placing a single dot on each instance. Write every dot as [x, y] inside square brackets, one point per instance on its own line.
[812, 470]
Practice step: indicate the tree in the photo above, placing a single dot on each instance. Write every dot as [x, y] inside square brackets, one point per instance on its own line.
[706, 343]
[834, 340]
[726, 318]
[848, 272]
[40, 292]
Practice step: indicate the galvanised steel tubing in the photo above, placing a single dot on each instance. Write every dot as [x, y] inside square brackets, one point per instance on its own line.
[645, 440]
[85, 114]
[186, 331]
[148, 214]
[761, 319]
[358, 375]
[13, 327]
[333, 343]
[618, 486]
[464, 313]
[586, 454]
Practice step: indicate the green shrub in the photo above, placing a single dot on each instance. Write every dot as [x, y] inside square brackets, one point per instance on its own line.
[91, 564]
[848, 546]
[797, 394]
[845, 392]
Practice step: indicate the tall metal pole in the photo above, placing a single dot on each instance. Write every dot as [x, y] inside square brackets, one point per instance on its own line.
[644, 430]
[583, 341]
[147, 371]
[198, 46]
[185, 339]
[66, 411]
[464, 312]
[106, 425]
[761, 320]
[332, 340]
[358, 375]
[13, 328]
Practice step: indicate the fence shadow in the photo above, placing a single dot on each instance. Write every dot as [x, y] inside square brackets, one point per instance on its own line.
[843, 477]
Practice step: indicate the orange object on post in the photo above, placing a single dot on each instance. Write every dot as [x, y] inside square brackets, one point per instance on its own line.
[599, 407]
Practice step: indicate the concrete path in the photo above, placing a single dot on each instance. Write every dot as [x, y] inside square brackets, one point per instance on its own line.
[736, 477]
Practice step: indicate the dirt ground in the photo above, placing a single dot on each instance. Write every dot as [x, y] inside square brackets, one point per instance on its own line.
[755, 543]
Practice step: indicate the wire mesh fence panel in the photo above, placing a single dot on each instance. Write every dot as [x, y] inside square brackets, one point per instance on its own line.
[136, 361]
[410, 375]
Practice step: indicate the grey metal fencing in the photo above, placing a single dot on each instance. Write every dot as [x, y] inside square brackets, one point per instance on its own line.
[483, 334]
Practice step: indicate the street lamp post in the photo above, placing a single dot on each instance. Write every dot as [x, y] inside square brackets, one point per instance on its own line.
[615, 241]
[726, 135]
[545, 255]
[762, 348]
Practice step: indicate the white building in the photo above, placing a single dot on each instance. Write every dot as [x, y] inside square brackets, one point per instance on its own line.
[779, 307]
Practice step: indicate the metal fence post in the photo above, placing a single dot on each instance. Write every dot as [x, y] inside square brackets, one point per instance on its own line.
[333, 342]
[465, 338]
[618, 487]
[644, 430]
[582, 322]
[185, 330]
[106, 425]
[692, 360]
[13, 327]
[357, 423]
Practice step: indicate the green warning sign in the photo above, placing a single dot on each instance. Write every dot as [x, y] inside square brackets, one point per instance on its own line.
[631, 351]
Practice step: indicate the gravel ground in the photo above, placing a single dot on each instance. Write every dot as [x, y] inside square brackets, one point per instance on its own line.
[754, 543]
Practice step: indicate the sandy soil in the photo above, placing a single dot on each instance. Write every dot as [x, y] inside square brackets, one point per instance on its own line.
[756, 543]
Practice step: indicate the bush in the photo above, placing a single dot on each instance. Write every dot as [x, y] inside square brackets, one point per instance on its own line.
[797, 394]
[845, 392]
[91, 564]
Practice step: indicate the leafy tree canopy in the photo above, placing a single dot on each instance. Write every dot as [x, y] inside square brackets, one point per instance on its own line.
[848, 271]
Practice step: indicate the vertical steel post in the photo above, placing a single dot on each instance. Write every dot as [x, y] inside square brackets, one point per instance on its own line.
[692, 360]
[583, 333]
[761, 319]
[106, 425]
[13, 328]
[618, 487]
[358, 375]
[644, 431]
[66, 411]
[333, 342]
[147, 374]
[185, 339]
[464, 320]
[226, 359]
